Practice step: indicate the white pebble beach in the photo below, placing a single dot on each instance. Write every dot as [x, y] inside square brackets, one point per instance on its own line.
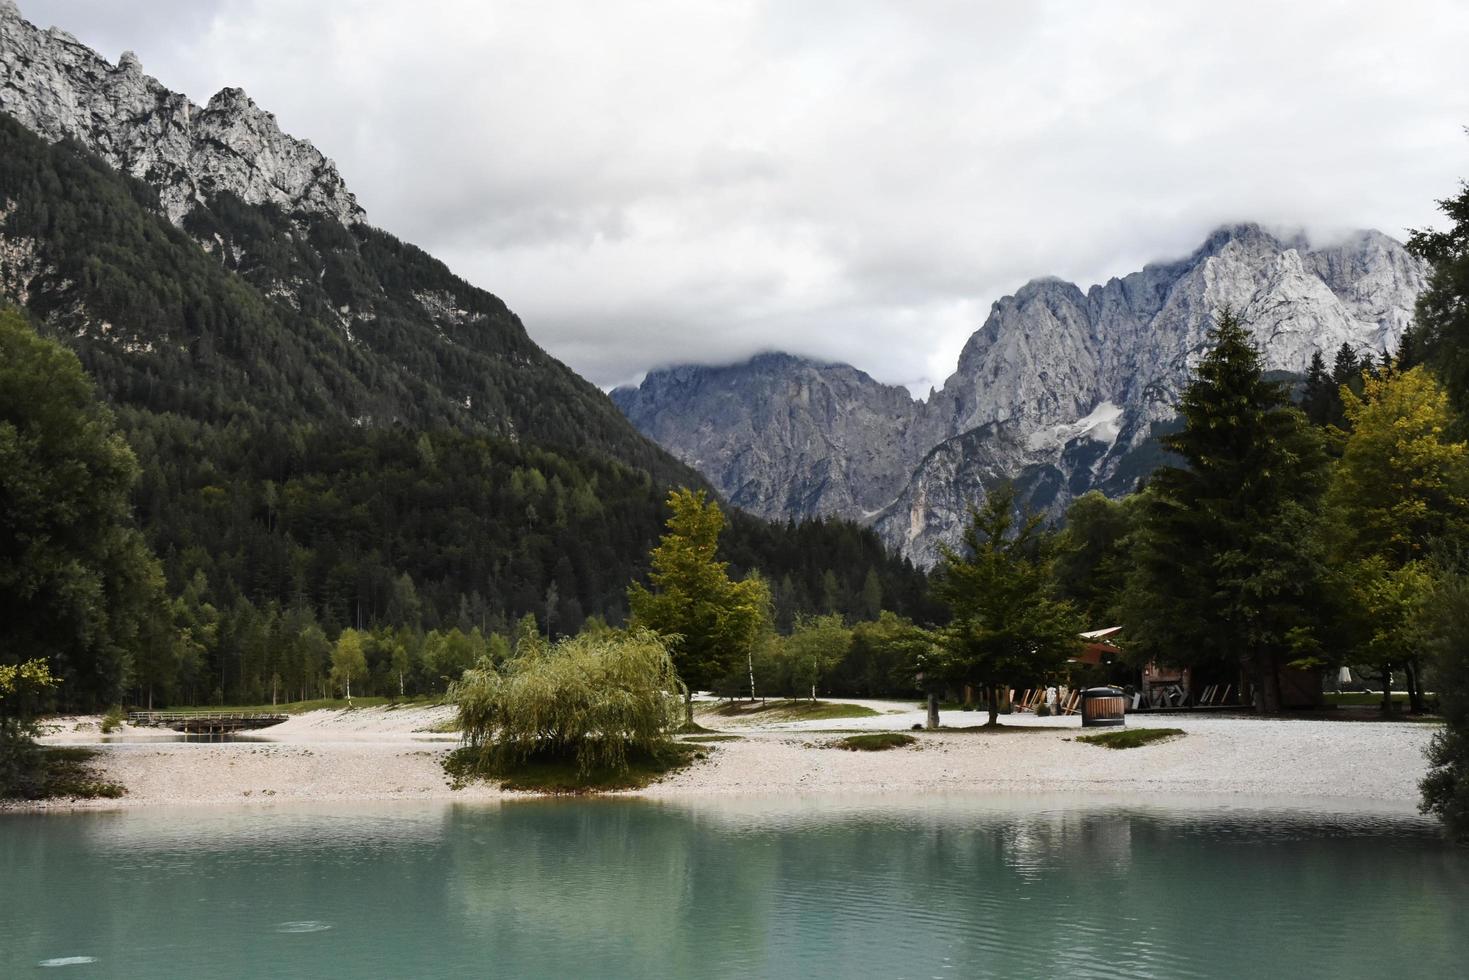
[395, 754]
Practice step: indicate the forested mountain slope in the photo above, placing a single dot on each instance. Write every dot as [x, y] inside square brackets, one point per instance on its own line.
[327, 418]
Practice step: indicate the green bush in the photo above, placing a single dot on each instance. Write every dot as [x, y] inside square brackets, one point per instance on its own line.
[1042, 710]
[593, 699]
[112, 720]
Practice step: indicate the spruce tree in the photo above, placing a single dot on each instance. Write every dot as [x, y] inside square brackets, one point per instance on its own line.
[1442, 316]
[1008, 623]
[710, 618]
[1228, 571]
[1320, 401]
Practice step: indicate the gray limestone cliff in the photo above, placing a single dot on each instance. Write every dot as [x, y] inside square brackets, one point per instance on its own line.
[59, 88]
[1061, 390]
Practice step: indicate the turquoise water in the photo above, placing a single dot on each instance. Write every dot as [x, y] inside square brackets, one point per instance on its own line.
[938, 887]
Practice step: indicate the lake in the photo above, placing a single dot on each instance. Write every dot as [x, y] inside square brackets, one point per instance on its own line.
[945, 886]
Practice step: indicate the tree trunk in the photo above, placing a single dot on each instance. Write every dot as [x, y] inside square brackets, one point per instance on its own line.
[688, 708]
[933, 711]
[750, 662]
[400, 683]
[994, 697]
[1269, 689]
[1386, 689]
[1415, 692]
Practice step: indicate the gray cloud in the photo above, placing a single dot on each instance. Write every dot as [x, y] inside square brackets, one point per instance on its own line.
[658, 181]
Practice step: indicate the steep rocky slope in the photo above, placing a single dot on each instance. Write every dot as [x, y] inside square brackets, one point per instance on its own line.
[1061, 389]
[61, 89]
[307, 309]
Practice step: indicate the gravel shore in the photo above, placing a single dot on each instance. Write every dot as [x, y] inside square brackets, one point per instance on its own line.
[392, 754]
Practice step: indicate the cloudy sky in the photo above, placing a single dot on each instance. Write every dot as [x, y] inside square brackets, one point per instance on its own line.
[656, 181]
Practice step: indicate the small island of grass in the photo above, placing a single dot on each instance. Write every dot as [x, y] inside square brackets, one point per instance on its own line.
[793, 709]
[594, 713]
[876, 742]
[1130, 738]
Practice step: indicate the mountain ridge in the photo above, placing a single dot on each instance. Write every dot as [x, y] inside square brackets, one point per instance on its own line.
[59, 88]
[1048, 358]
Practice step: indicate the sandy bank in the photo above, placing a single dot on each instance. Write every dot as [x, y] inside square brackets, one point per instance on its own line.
[389, 754]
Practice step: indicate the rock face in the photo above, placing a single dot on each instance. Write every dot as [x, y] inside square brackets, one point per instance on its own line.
[781, 435]
[268, 295]
[58, 87]
[1061, 390]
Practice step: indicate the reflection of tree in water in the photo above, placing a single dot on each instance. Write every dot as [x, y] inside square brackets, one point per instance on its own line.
[585, 887]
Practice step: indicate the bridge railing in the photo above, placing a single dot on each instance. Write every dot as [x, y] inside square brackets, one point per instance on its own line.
[156, 717]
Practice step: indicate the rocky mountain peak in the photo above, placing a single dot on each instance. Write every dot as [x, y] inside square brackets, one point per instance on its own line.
[58, 87]
[1059, 389]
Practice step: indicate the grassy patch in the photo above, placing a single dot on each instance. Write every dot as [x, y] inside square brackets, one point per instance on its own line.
[560, 776]
[999, 728]
[1361, 699]
[793, 710]
[876, 742]
[319, 704]
[1130, 738]
[37, 773]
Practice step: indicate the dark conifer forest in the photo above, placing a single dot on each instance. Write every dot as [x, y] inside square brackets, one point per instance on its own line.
[332, 430]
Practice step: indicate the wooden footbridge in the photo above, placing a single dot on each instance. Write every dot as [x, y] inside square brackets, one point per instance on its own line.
[206, 722]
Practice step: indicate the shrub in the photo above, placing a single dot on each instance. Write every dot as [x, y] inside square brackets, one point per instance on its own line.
[22, 773]
[112, 720]
[1042, 710]
[593, 699]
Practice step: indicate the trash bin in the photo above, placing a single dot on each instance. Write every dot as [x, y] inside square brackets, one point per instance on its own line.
[1103, 706]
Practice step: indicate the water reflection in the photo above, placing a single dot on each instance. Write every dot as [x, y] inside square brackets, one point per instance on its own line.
[942, 885]
[147, 738]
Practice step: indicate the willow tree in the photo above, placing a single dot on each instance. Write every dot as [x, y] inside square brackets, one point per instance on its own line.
[1227, 564]
[1000, 587]
[710, 619]
[595, 699]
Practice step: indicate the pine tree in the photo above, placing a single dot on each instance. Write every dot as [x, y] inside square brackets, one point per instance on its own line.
[693, 598]
[1008, 625]
[1227, 565]
[1347, 366]
[1442, 316]
[1407, 356]
[1320, 400]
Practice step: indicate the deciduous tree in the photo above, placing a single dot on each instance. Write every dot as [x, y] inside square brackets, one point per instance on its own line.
[78, 585]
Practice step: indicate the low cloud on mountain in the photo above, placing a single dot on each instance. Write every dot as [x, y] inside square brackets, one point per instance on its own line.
[655, 182]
